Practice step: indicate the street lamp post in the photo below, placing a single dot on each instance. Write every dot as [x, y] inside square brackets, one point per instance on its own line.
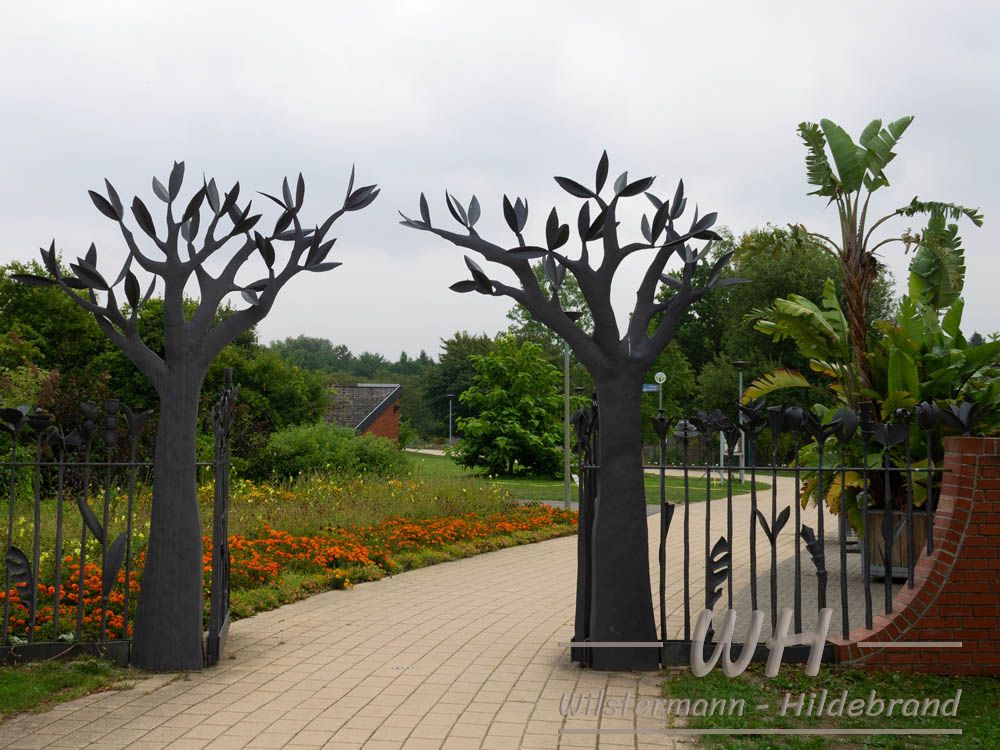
[740, 365]
[450, 397]
[660, 378]
[566, 466]
[572, 315]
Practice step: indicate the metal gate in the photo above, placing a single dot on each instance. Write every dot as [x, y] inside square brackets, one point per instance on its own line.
[72, 555]
[840, 524]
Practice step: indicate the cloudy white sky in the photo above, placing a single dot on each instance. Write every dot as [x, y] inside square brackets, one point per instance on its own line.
[485, 98]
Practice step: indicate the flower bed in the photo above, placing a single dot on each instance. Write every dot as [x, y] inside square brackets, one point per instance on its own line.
[334, 558]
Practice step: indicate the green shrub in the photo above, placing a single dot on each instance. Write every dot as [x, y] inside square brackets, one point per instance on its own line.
[326, 448]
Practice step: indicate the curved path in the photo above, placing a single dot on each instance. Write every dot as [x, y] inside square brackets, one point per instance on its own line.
[460, 655]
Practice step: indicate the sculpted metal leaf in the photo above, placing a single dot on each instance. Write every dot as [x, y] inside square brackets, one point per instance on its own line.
[90, 519]
[20, 576]
[815, 550]
[115, 558]
[782, 519]
[718, 571]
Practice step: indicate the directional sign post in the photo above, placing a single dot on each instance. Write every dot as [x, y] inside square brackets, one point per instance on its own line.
[660, 379]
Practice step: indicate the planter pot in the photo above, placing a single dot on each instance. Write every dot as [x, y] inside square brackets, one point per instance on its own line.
[900, 542]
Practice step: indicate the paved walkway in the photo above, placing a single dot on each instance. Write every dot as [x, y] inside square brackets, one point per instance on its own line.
[461, 655]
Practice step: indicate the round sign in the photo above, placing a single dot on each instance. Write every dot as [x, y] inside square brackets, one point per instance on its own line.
[660, 378]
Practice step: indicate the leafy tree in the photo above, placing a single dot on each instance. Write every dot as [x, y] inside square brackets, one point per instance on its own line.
[857, 171]
[679, 389]
[517, 427]
[526, 328]
[407, 365]
[718, 383]
[16, 350]
[368, 363]
[453, 374]
[66, 337]
[775, 264]
[273, 395]
[920, 356]
[313, 353]
[27, 384]
[168, 624]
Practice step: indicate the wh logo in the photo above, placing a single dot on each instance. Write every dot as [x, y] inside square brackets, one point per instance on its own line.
[776, 644]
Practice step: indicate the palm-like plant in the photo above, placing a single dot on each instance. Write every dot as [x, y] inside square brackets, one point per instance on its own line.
[921, 355]
[848, 174]
[820, 333]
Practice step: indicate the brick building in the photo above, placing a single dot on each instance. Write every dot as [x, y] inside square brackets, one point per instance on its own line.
[368, 408]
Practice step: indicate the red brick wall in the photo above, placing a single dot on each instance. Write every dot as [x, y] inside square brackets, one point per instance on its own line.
[387, 424]
[956, 594]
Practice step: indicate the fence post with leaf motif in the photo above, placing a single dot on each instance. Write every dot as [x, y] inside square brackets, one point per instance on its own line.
[218, 619]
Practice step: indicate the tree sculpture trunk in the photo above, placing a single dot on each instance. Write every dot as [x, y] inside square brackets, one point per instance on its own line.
[621, 598]
[168, 626]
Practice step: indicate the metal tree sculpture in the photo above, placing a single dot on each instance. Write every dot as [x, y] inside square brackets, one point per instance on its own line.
[621, 605]
[168, 627]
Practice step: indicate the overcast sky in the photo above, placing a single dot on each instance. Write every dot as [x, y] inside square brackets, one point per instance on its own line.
[482, 98]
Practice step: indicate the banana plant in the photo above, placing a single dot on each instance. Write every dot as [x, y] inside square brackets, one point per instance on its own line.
[821, 335]
[920, 356]
[848, 174]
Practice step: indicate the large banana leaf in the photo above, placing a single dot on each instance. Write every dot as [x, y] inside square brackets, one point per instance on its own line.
[833, 314]
[937, 271]
[950, 210]
[819, 334]
[903, 375]
[830, 369]
[951, 323]
[850, 158]
[978, 357]
[818, 170]
[851, 480]
[879, 143]
[776, 380]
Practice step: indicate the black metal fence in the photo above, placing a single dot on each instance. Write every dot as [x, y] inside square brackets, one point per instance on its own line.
[841, 526]
[74, 536]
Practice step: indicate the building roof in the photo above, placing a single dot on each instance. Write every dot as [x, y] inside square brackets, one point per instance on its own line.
[358, 406]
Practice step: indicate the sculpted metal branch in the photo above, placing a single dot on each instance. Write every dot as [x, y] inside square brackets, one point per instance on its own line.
[189, 246]
[621, 604]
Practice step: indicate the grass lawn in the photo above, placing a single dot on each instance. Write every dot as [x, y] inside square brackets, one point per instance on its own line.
[976, 713]
[38, 685]
[539, 488]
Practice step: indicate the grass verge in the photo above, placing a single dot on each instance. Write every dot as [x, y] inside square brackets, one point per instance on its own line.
[38, 685]
[977, 708]
[542, 489]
